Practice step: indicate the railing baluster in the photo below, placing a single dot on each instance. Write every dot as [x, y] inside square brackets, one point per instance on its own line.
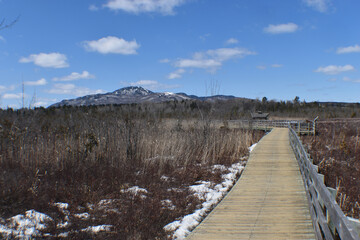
[327, 216]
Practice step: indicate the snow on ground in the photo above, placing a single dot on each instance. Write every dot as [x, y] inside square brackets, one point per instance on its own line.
[167, 203]
[136, 190]
[251, 148]
[25, 226]
[96, 229]
[31, 224]
[82, 216]
[61, 205]
[211, 193]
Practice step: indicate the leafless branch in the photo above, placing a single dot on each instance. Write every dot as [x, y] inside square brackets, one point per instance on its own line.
[3, 25]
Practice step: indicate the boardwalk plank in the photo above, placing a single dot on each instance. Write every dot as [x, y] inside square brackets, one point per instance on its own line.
[268, 201]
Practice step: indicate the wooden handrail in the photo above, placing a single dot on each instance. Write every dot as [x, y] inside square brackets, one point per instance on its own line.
[328, 219]
[300, 126]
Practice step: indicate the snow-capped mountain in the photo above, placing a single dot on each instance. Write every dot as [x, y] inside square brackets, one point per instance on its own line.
[132, 95]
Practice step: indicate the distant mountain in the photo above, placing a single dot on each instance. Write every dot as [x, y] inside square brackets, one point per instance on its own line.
[129, 95]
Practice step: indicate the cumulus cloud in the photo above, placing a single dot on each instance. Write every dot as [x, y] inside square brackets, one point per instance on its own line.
[318, 5]
[176, 74]
[346, 79]
[212, 59]
[261, 67]
[281, 28]
[47, 60]
[165, 60]
[198, 63]
[40, 82]
[152, 85]
[112, 44]
[165, 7]
[2, 88]
[12, 96]
[333, 70]
[74, 76]
[350, 49]
[72, 89]
[93, 7]
[143, 83]
[231, 41]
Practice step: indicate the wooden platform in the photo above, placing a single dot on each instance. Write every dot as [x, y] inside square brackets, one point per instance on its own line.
[268, 201]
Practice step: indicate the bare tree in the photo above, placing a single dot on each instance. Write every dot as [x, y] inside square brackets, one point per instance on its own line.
[4, 25]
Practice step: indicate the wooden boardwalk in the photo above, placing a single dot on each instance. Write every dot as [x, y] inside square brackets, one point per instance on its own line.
[268, 201]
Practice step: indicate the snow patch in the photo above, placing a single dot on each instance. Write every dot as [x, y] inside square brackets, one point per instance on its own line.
[136, 190]
[96, 229]
[164, 178]
[63, 235]
[25, 226]
[251, 148]
[212, 195]
[167, 203]
[219, 167]
[82, 216]
[61, 205]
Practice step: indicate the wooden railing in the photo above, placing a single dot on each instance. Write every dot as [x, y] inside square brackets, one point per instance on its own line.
[300, 126]
[328, 219]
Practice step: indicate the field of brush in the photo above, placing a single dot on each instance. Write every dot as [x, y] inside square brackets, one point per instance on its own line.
[148, 171]
[336, 150]
[110, 173]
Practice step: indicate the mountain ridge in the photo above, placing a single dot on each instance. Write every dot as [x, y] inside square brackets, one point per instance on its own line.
[134, 94]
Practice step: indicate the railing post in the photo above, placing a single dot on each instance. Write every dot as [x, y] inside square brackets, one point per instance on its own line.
[328, 219]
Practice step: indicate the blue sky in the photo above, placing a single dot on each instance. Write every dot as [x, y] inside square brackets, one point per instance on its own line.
[280, 49]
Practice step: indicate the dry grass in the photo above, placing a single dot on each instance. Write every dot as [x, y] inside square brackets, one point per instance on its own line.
[82, 157]
[336, 151]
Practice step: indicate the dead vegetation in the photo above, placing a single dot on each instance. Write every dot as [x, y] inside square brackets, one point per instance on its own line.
[91, 157]
[336, 150]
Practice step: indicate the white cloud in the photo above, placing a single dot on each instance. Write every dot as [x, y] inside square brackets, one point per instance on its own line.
[71, 89]
[165, 7]
[40, 104]
[12, 96]
[223, 54]
[112, 44]
[165, 60]
[40, 82]
[212, 59]
[2, 38]
[47, 60]
[281, 28]
[176, 74]
[198, 63]
[232, 41]
[93, 7]
[333, 70]
[74, 76]
[263, 67]
[2, 88]
[350, 49]
[346, 79]
[318, 5]
[144, 83]
[152, 85]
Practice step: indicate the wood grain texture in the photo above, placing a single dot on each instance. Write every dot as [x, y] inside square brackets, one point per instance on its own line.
[268, 201]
